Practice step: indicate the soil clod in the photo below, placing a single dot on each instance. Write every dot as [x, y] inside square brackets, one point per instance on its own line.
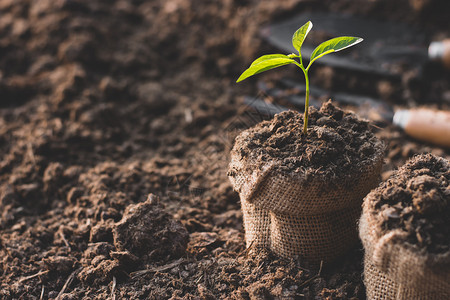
[146, 230]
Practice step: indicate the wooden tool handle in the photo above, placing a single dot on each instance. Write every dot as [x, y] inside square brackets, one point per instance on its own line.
[440, 51]
[426, 124]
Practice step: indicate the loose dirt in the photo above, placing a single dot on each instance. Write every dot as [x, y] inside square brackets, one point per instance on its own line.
[336, 143]
[416, 200]
[105, 103]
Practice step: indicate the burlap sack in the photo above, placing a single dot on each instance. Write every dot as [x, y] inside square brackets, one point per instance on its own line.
[298, 215]
[395, 270]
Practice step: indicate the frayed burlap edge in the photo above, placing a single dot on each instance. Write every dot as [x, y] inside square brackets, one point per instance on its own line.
[256, 225]
[395, 270]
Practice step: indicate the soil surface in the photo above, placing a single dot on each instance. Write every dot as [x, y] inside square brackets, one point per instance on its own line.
[106, 106]
[336, 144]
[416, 200]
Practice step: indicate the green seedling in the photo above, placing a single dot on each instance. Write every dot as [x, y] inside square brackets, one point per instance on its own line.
[271, 61]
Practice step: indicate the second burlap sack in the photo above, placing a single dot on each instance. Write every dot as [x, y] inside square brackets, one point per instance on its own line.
[404, 229]
[301, 214]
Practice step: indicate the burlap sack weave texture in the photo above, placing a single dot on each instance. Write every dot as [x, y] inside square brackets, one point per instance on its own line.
[298, 216]
[393, 270]
[256, 224]
[316, 238]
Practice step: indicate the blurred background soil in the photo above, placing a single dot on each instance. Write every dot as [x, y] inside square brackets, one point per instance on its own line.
[121, 114]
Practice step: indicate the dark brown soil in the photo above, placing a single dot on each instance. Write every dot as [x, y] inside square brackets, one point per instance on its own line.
[103, 103]
[336, 144]
[416, 199]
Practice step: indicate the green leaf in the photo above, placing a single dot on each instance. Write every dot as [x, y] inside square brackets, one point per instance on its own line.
[268, 57]
[264, 63]
[333, 45]
[299, 36]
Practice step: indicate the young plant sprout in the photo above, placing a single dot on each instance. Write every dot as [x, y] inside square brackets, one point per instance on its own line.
[271, 61]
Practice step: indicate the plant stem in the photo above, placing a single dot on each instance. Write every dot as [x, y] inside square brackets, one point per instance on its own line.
[306, 115]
